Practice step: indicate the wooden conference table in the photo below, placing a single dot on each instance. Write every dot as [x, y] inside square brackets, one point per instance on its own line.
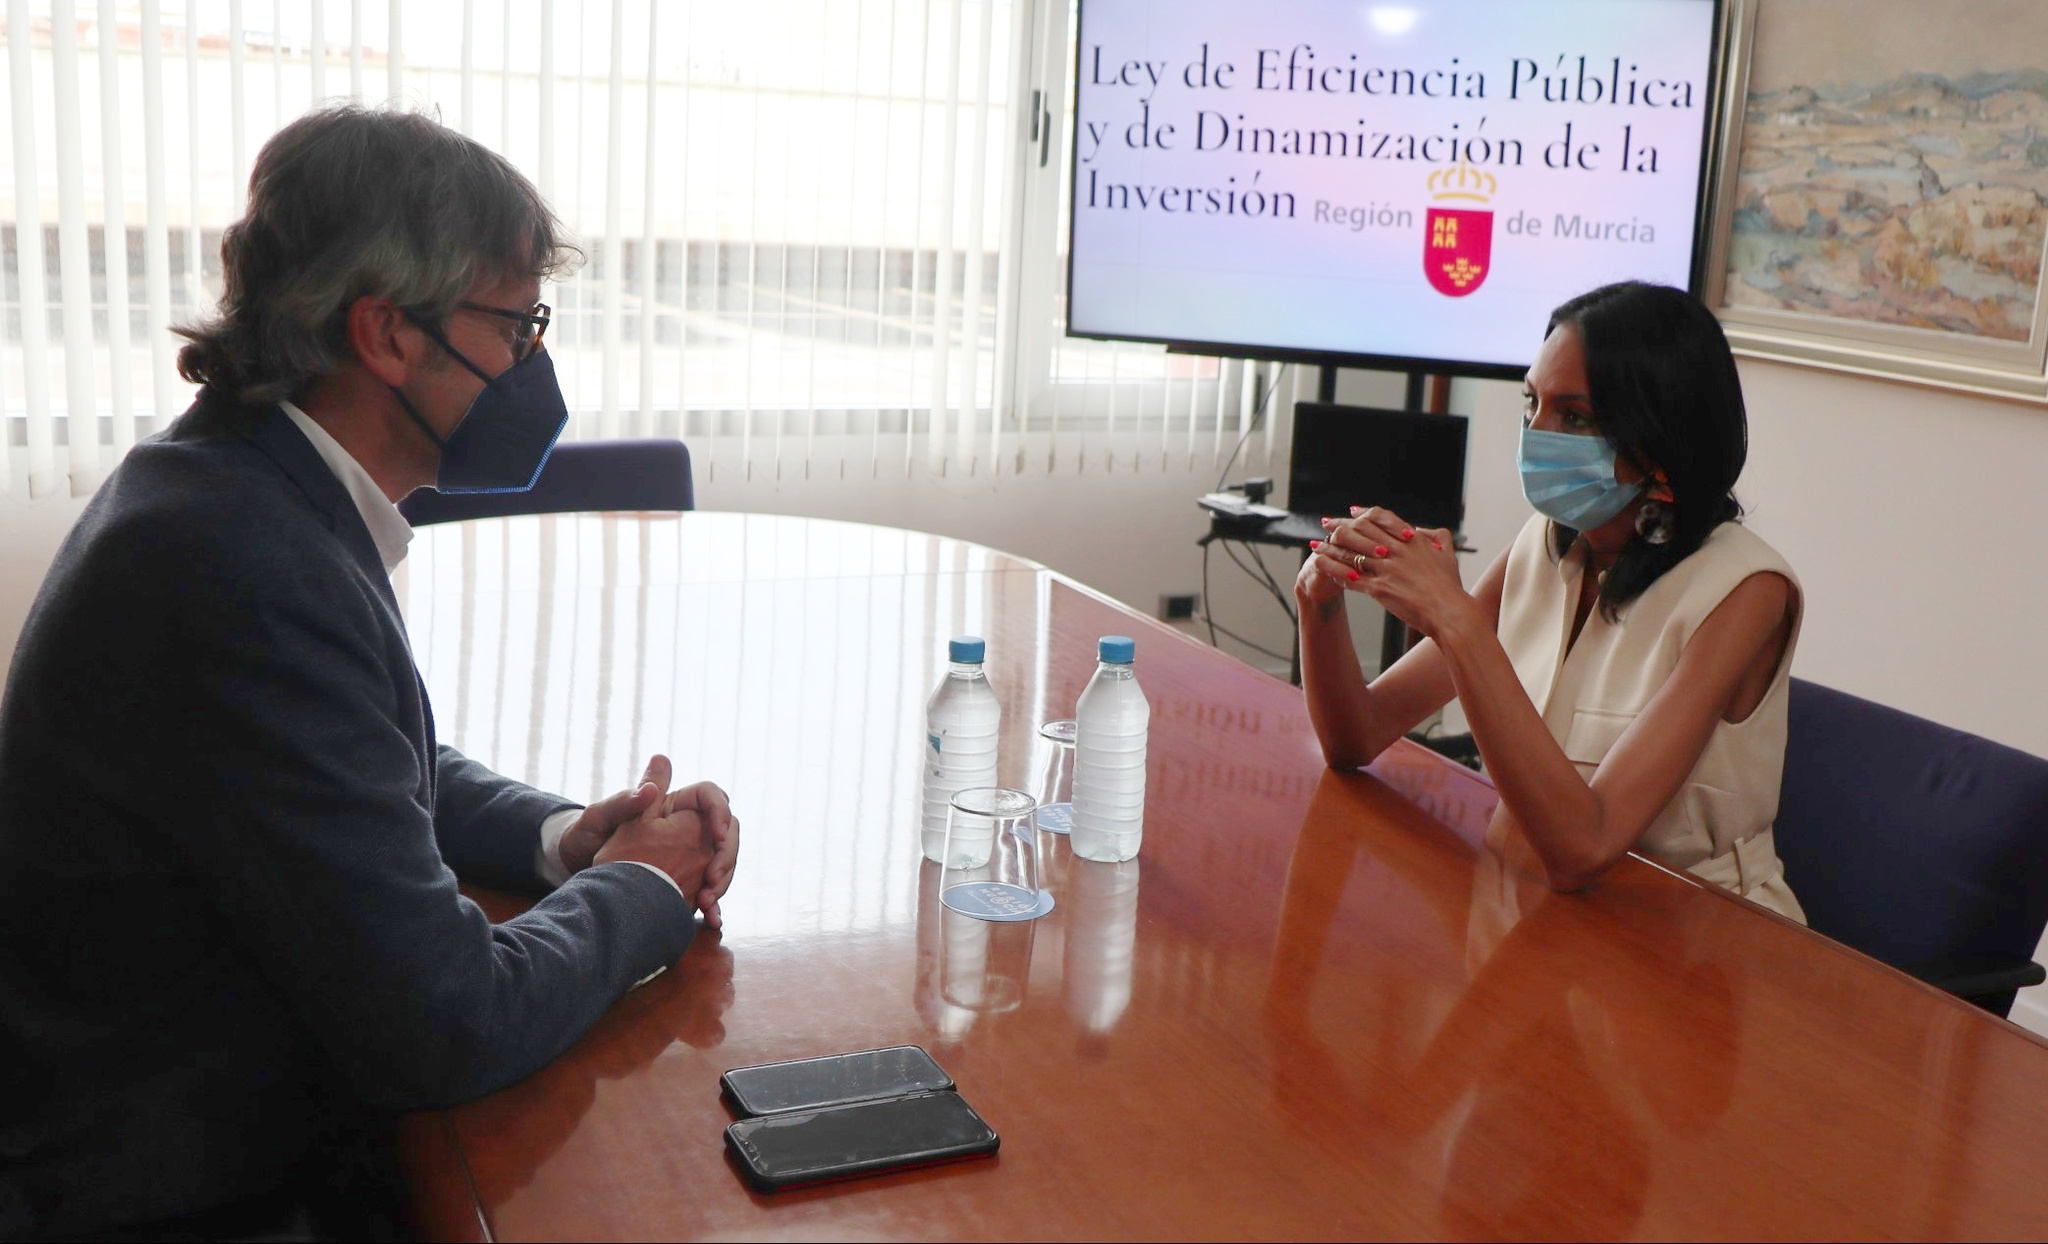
[1317, 1004]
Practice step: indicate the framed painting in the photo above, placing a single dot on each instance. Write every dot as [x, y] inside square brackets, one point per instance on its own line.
[1882, 201]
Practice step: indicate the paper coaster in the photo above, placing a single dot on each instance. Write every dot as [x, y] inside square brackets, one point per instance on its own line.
[996, 900]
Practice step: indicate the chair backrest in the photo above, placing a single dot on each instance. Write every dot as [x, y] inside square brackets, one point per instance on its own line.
[1915, 843]
[580, 475]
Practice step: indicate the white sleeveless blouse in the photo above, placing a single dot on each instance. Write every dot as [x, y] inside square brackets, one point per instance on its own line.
[1718, 827]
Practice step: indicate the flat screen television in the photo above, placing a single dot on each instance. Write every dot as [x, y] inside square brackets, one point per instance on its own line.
[1407, 185]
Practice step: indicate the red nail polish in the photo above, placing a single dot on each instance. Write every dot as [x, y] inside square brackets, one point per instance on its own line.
[1380, 550]
[1407, 533]
[1355, 576]
[1356, 510]
[1438, 545]
[1315, 544]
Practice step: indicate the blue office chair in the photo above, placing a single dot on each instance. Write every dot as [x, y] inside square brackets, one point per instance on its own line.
[1916, 844]
[580, 475]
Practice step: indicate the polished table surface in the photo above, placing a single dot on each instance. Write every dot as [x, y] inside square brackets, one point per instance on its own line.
[1317, 1005]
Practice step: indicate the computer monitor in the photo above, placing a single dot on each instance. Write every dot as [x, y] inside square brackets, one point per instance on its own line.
[1407, 461]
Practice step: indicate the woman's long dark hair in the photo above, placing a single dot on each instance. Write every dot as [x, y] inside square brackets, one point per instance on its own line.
[1666, 395]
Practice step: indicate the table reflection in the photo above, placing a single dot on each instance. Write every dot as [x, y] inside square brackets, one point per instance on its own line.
[565, 649]
[1549, 1010]
[788, 660]
[534, 1119]
[1102, 941]
[968, 968]
[1318, 1004]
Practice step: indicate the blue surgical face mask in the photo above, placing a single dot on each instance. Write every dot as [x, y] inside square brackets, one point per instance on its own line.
[504, 438]
[1570, 479]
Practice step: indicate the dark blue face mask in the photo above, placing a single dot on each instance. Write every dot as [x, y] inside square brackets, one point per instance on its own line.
[504, 438]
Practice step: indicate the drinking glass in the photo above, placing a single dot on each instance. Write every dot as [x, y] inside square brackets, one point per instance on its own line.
[992, 856]
[1056, 778]
[984, 966]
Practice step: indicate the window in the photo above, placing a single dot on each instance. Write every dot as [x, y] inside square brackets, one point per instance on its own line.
[822, 235]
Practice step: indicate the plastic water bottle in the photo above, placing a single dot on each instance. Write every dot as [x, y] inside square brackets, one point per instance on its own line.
[961, 722]
[1112, 719]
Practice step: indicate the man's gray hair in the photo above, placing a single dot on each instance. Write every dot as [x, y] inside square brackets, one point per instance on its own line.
[349, 202]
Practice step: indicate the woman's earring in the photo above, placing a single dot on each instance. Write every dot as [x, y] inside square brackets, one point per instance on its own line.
[1655, 523]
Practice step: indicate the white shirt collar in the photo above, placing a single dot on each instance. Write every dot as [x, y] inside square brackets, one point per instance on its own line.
[388, 528]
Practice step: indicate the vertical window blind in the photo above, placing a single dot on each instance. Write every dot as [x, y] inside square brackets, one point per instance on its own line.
[823, 237]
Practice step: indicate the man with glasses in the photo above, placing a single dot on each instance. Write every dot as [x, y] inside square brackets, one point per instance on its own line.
[233, 948]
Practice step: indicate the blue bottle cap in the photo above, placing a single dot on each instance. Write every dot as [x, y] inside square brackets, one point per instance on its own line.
[1116, 649]
[967, 649]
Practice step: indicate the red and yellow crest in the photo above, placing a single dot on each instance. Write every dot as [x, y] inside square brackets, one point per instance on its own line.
[1457, 244]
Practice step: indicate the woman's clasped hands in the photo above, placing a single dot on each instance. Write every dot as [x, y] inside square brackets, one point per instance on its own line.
[1412, 572]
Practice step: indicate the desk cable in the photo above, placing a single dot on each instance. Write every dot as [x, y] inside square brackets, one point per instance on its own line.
[1264, 580]
[1259, 405]
[1263, 577]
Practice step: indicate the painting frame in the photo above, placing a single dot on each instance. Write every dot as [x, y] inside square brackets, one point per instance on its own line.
[2010, 368]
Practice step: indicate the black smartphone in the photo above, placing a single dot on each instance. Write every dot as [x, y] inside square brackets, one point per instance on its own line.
[834, 1080]
[780, 1151]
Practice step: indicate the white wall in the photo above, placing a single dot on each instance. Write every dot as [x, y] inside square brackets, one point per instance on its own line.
[1127, 532]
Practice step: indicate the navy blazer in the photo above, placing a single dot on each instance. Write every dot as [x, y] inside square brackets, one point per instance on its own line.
[229, 846]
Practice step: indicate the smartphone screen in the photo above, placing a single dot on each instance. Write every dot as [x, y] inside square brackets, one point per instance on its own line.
[784, 1150]
[835, 1080]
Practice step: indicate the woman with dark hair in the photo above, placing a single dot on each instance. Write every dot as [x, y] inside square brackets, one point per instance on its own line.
[1624, 665]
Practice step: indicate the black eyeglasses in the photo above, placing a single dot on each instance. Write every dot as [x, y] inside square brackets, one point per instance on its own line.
[533, 325]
